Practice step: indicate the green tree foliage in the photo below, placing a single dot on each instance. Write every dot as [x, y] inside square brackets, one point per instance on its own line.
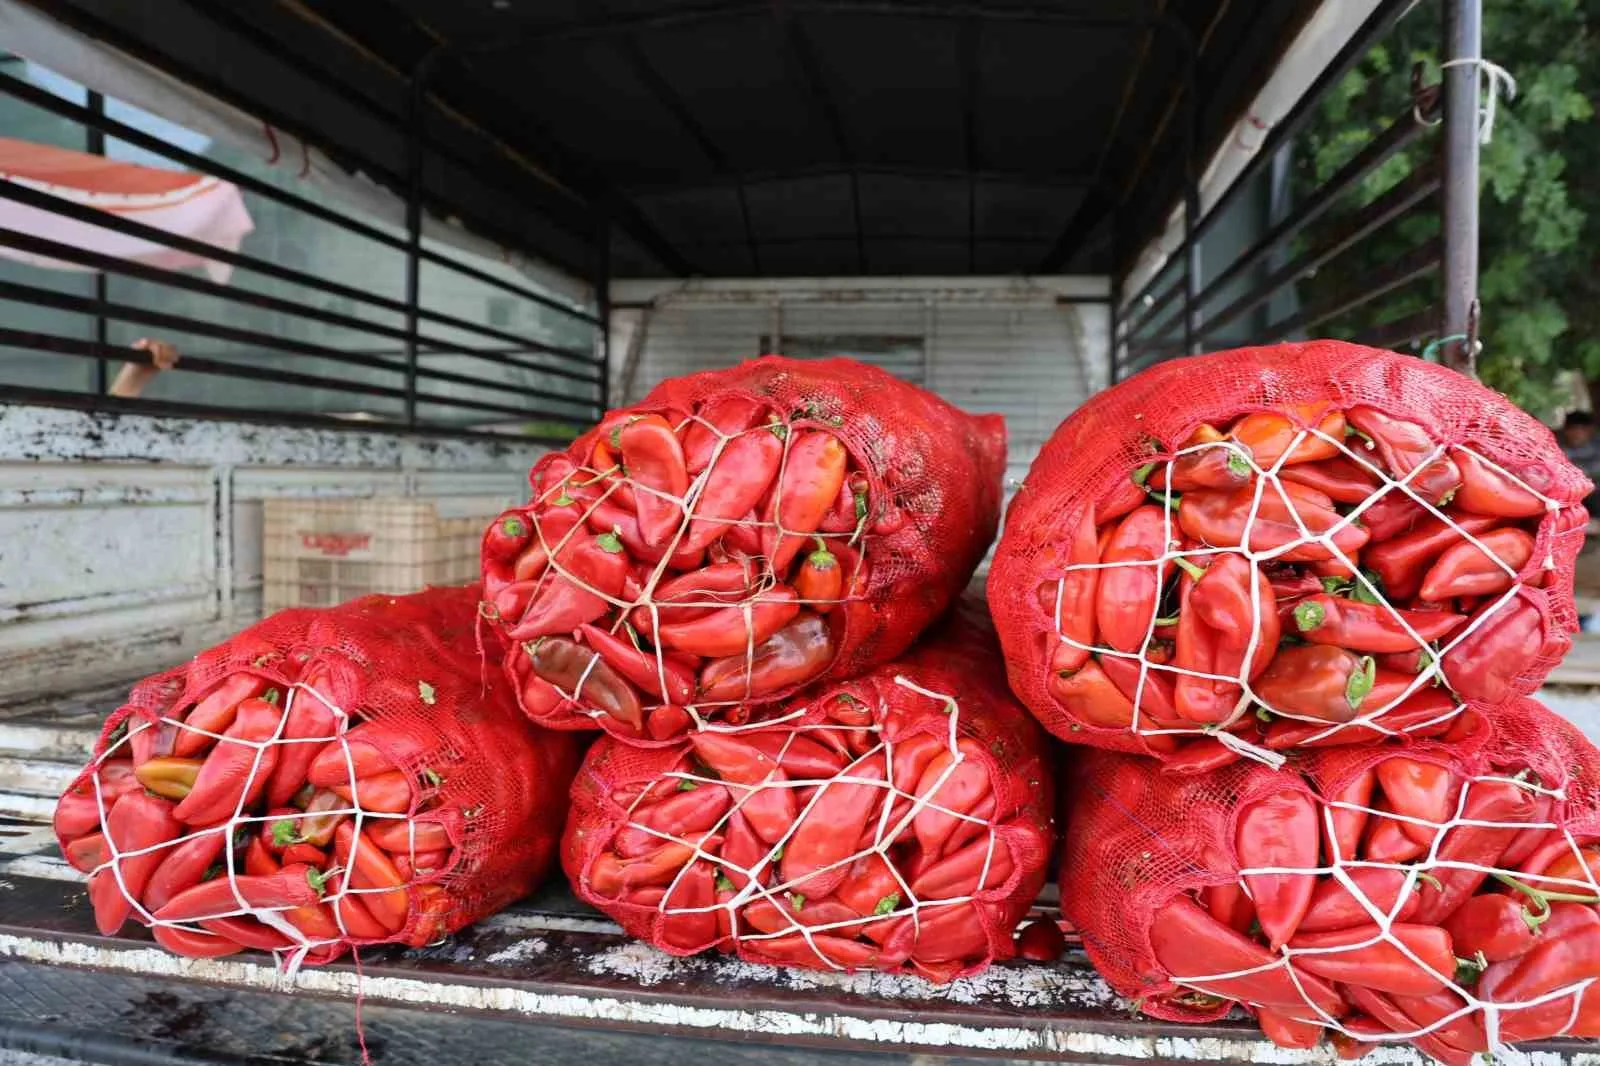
[1540, 212]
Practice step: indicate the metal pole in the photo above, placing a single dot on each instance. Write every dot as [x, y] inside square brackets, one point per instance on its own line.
[1463, 37]
[102, 366]
[602, 302]
[414, 187]
[1191, 210]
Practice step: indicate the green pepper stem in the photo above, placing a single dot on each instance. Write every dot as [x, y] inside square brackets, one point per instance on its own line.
[1189, 568]
[1309, 615]
[1539, 895]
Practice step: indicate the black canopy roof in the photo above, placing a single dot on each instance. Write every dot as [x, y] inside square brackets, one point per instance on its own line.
[752, 137]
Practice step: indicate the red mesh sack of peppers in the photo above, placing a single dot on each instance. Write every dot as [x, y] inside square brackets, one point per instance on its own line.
[326, 778]
[736, 535]
[1285, 547]
[896, 822]
[1440, 894]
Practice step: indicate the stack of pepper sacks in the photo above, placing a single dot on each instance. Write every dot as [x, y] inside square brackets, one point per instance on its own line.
[726, 579]
[328, 778]
[1313, 582]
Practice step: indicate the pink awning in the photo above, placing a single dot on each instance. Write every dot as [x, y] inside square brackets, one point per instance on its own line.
[197, 206]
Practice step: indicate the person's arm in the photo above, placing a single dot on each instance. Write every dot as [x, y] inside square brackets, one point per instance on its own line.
[133, 377]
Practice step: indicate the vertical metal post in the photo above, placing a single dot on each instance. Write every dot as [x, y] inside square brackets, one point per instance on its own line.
[1114, 357]
[602, 303]
[1463, 46]
[1191, 211]
[415, 152]
[96, 145]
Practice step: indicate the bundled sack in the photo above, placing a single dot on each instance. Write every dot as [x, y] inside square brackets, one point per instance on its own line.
[328, 777]
[897, 822]
[1321, 531]
[1437, 894]
[738, 534]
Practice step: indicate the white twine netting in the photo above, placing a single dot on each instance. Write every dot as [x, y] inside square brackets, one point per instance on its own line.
[1339, 869]
[1268, 480]
[337, 884]
[762, 579]
[903, 903]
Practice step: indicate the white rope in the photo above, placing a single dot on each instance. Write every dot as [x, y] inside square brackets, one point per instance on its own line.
[1499, 78]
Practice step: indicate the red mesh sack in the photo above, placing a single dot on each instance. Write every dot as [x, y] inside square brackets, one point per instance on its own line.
[896, 822]
[738, 534]
[329, 777]
[1320, 530]
[1442, 894]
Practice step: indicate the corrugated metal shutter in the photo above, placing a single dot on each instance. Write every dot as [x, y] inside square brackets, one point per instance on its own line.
[1022, 355]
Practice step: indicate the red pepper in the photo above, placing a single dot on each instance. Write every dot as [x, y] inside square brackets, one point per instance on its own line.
[78, 810]
[88, 853]
[1467, 846]
[195, 945]
[1486, 663]
[1387, 843]
[1486, 490]
[689, 918]
[1209, 468]
[1404, 446]
[586, 677]
[812, 473]
[738, 482]
[1190, 943]
[1219, 520]
[305, 853]
[1089, 696]
[435, 910]
[1200, 648]
[169, 776]
[309, 718]
[1392, 1019]
[827, 834]
[678, 815]
[726, 416]
[1393, 515]
[818, 951]
[238, 769]
[749, 757]
[1286, 1030]
[1369, 627]
[1279, 830]
[610, 876]
[1198, 757]
[1077, 591]
[1498, 927]
[374, 748]
[389, 793]
[965, 871]
[793, 655]
[1422, 790]
[660, 677]
[1333, 906]
[1426, 713]
[1128, 593]
[1342, 825]
[1338, 477]
[1156, 700]
[1467, 570]
[1568, 951]
[1041, 941]
[1267, 435]
[953, 784]
[1401, 563]
[215, 713]
[369, 868]
[820, 580]
[258, 861]
[507, 536]
[696, 594]
[563, 604]
[654, 461]
[733, 630]
[1380, 964]
[1316, 681]
[291, 886]
[610, 517]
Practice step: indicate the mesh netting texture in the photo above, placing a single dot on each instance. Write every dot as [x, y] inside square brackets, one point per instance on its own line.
[1441, 894]
[327, 778]
[1244, 553]
[738, 534]
[899, 822]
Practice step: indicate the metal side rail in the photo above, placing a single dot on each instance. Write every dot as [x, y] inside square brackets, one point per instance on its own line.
[550, 961]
